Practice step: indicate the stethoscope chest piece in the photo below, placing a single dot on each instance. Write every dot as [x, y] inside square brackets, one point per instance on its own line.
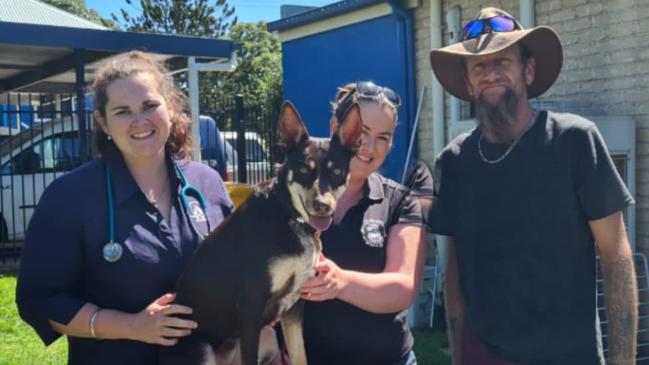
[112, 251]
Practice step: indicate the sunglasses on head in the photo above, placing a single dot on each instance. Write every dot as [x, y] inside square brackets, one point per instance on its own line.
[368, 90]
[371, 90]
[500, 23]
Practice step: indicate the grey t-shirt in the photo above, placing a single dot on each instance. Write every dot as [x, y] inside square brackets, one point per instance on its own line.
[526, 255]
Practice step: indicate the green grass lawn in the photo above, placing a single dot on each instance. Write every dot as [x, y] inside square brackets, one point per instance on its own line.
[431, 348]
[20, 345]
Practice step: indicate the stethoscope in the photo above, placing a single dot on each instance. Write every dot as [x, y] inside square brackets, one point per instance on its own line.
[112, 251]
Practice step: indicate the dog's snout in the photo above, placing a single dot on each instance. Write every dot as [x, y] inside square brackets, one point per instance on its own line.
[322, 205]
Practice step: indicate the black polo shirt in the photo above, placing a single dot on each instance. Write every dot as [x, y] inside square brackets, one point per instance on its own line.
[337, 332]
[419, 180]
[62, 265]
[525, 252]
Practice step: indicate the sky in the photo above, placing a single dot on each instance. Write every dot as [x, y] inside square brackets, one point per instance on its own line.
[246, 10]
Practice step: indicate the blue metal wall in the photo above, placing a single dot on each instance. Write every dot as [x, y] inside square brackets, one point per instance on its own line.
[316, 65]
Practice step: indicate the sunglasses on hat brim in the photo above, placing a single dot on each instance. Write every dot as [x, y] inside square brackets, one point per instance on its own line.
[500, 23]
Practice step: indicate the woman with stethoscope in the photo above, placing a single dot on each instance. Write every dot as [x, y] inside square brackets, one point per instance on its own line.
[108, 240]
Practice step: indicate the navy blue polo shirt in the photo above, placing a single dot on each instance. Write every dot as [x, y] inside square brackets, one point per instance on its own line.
[336, 332]
[62, 265]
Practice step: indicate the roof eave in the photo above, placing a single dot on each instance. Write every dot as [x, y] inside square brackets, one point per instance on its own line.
[321, 13]
[114, 41]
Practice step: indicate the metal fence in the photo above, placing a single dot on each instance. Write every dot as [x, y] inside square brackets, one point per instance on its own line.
[41, 139]
[249, 134]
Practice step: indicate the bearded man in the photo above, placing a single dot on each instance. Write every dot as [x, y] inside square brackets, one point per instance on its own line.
[528, 199]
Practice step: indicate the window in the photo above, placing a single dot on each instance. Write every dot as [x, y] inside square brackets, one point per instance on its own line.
[53, 154]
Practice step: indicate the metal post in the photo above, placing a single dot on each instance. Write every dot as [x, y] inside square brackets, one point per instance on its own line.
[193, 68]
[194, 107]
[241, 139]
[57, 107]
[81, 103]
[413, 135]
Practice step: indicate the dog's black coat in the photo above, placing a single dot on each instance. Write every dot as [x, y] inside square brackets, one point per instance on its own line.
[229, 281]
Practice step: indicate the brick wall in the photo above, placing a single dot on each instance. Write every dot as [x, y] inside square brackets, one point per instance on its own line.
[606, 70]
[424, 78]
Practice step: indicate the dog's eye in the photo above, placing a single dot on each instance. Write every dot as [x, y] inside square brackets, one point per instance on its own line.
[336, 172]
[304, 170]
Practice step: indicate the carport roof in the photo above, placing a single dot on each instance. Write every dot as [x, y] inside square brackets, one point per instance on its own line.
[36, 12]
[43, 58]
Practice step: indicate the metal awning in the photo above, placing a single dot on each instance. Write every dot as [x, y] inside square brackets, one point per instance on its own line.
[45, 58]
[62, 59]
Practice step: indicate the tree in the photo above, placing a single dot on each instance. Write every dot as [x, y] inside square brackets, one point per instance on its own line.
[259, 72]
[78, 7]
[195, 17]
[184, 17]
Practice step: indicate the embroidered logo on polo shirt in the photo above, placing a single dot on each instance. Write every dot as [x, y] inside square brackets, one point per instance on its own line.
[196, 212]
[373, 232]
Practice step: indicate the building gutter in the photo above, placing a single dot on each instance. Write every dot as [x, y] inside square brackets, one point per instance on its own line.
[439, 135]
[407, 28]
[453, 21]
[437, 102]
[527, 10]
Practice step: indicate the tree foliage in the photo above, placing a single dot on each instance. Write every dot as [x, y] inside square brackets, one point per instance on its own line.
[259, 71]
[258, 74]
[184, 17]
[78, 7]
[195, 17]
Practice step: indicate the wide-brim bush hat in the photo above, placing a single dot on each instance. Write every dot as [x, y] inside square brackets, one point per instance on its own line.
[542, 43]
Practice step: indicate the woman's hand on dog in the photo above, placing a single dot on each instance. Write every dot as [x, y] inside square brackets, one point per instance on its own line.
[329, 281]
[156, 324]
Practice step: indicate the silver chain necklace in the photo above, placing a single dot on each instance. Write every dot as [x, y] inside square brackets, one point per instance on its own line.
[511, 146]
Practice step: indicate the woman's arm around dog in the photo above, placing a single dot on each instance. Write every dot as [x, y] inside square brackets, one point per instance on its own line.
[390, 291]
[155, 324]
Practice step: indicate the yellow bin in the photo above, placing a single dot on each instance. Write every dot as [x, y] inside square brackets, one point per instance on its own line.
[238, 192]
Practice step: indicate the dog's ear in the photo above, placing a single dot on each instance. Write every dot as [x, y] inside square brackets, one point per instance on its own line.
[290, 130]
[351, 127]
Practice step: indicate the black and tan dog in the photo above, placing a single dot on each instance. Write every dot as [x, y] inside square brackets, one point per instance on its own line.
[249, 271]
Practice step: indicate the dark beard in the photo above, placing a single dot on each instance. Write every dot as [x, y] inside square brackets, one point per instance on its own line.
[498, 120]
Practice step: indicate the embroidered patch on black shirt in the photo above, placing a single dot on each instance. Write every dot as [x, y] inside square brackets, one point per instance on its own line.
[373, 232]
